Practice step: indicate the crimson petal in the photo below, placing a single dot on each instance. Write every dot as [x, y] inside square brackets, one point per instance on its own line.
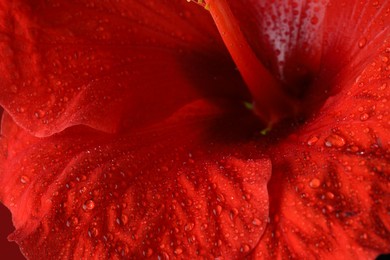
[108, 65]
[82, 194]
[329, 191]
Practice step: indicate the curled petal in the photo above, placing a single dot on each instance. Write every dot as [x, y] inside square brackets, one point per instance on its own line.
[108, 65]
[160, 193]
[333, 203]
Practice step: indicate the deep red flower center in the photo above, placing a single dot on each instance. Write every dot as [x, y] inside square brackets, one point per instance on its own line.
[275, 96]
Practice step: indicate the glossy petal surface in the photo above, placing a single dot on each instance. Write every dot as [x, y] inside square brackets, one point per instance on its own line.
[205, 181]
[80, 62]
[305, 45]
[155, 193]
[334, 201]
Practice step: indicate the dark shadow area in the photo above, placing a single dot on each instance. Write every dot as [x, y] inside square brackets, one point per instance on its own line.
[215, 76]
[8, 250]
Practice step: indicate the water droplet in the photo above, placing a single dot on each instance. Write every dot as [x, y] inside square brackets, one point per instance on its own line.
[20, 109]
[108, 237]
[334, 140]
[72, 221]
[39, 114]
[93, 232]
[312, 140]
[330, 208]
[191, 239]
[245, 248]
[362, 42]
[24, 179]
[204, 226]
[256, 222]
[83, 190]
[178, 251]
[217, 211]
[163, 256]
[123, 250]
[330, 195]
[315, 183]
[148, 252]
[364, 117]
[233, 213]
[124, 219]
[189, 226]
[89, 205]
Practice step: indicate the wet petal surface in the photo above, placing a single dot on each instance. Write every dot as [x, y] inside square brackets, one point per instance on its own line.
[157, 193]
[206, 182]
[108, 65]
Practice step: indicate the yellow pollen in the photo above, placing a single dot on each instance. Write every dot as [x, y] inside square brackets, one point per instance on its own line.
[200, 2]
[248, 105]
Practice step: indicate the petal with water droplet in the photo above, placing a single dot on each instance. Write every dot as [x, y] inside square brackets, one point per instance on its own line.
[333, 200]
[108, 65]
[129, 206]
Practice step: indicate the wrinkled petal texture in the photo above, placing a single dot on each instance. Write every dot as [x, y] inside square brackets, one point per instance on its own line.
[80, 62]
[83, 194]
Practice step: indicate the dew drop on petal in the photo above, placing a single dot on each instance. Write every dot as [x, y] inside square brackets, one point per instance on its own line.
[93, 232]
[163, 256]
[217, 211]
[89, 205]
[256, 222]
[39, 114]
[334, 140]
[191, 239]
[245, 248]
[315, 183]
[383, 86]
[364, 117]
[312, 140]
[124, 219]
[329, 195]
[72, 221]
[189, 226]
[148, 252]
[233, 213]
[20, 109]
[178, 251]
[329, 208]
[362, 42]
[24, 179]
[108, 237]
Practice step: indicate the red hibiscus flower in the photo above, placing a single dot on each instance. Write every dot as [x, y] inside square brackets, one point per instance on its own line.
[158, 129]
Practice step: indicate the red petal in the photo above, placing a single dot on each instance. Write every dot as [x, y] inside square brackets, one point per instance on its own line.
[277, 47]
[305, 45]
[82, 194]
[102, 64]
[334, 201]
